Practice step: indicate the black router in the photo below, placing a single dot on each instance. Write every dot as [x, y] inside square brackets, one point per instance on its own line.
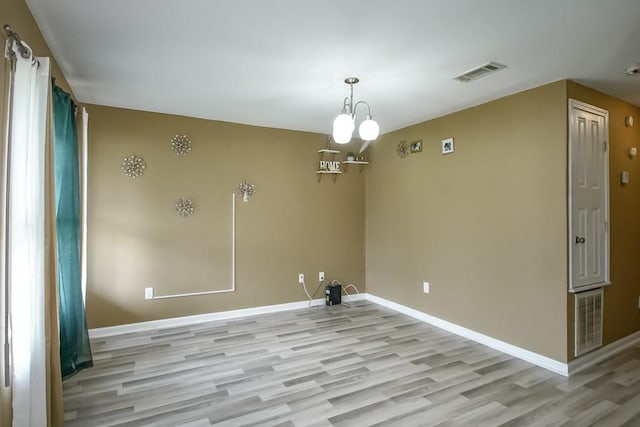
[333, 294]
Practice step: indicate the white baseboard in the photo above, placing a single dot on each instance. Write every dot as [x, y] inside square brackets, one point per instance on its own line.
[561, 368]
[208, 317]
[596, 356]
[521, 353]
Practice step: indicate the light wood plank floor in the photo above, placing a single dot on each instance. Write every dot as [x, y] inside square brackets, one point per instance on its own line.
[337, 366]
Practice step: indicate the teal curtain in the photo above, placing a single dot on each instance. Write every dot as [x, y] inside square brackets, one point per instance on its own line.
[75, 350]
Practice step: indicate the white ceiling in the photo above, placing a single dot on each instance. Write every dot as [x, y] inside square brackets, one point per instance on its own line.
[281, 63]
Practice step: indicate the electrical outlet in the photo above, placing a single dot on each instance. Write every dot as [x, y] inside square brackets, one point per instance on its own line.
[148, 293]
[301, 278]
[425, 287]
[321, 276]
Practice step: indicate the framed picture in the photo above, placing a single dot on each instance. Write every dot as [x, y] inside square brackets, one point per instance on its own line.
[416, 146]
[447, 145]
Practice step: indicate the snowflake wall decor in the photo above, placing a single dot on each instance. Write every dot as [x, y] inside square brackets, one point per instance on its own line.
[184, 207]
[181, 144]
[402, 149]
[133, 166]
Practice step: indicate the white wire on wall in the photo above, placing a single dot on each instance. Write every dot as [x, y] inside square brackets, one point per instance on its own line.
[233, 262]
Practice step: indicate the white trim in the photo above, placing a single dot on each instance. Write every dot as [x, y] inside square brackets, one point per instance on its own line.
[596, 356]
[561, 368]
[233, 263]
[521, 353]
[589, 287]
[208, 317]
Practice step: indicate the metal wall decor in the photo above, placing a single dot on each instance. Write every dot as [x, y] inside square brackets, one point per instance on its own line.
[402, 149]
[246, 190]
[184, 207]
[181, 144]
[133, 166]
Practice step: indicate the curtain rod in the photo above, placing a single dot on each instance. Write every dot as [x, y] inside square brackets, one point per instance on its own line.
[12, 36]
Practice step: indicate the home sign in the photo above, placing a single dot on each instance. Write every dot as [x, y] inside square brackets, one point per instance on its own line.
[331, 166]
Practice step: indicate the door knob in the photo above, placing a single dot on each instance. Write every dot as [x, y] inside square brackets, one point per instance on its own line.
[580, 240]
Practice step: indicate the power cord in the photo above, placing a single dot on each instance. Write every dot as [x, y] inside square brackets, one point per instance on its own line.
[333, 282]
[304, 286]
[350, 285]
[310, 296]
[344, 289]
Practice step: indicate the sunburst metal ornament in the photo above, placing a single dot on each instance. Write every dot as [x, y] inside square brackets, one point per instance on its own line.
[402, 149]
[181, 144]
[184, 207]
[246, 190]
[133, 166]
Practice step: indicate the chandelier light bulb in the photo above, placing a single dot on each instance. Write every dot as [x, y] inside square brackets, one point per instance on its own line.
[369, 129]
[343, 128]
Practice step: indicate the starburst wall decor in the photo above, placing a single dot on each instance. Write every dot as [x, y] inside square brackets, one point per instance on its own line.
[133, 166]
[184, 207]
[246, 190]
[181, 144]
[402, 149]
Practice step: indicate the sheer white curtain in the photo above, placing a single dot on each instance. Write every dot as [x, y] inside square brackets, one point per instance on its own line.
[26, 163]
[84, 163]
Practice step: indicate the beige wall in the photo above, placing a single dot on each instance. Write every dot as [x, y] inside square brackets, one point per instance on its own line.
[17, 15]
[486, 225]
[621, 313]
[292, 225]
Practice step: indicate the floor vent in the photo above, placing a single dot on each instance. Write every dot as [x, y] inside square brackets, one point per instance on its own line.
[588, 328]
[481, 71]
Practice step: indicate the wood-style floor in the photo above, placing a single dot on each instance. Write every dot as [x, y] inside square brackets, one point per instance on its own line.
[339, 366]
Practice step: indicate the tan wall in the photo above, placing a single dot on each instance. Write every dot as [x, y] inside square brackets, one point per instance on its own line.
[16, 14]
[292, 225]
[486, 225]
[621, 313]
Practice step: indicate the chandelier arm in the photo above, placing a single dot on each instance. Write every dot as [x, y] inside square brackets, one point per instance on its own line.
[358, 103]
[345, 103]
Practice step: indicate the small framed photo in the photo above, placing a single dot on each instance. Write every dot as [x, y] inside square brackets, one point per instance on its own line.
[447, 145]
[416, 146]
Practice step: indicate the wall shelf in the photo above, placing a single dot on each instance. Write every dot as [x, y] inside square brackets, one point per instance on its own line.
[334, 173]
[346, 164]
[332, 155]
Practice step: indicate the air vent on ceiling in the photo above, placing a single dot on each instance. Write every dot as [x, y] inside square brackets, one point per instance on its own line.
[588, 321]
[481, 71]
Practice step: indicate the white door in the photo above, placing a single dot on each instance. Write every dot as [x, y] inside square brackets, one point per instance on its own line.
[588, 196]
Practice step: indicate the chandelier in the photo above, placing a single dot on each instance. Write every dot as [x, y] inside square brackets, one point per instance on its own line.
[344, 124]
